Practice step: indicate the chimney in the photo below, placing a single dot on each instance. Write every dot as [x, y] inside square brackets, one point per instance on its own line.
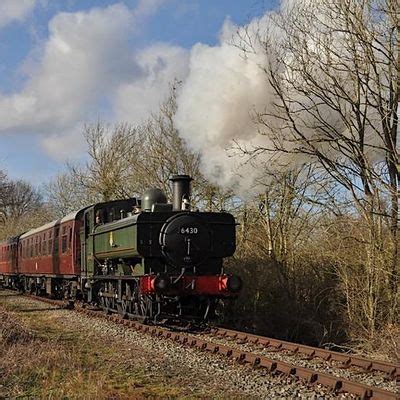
[180, 190]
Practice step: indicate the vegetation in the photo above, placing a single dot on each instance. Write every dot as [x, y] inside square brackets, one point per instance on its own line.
[21, 207]
[335, 81]
[42, 358]
[318, 248]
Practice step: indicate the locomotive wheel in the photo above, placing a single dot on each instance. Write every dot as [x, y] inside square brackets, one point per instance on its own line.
[122, 308]
[105, 305]
[146, 308]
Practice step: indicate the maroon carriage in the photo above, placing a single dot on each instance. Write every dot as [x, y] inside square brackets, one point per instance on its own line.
[52, 249]
[8, 257]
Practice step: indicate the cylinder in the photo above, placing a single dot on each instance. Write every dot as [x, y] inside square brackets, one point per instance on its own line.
[180, 190]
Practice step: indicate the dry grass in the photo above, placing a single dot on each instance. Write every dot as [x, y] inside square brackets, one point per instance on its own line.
[385, 345]
[58, 363]
[12, 331]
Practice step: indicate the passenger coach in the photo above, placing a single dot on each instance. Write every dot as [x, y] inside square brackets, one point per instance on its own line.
[43, 257]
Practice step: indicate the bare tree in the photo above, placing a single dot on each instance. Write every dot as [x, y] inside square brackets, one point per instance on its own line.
[281, 261]
[334, 72]
[165, 152]
[21, 207]
[66, 194]
[19, 198]
[108, 174]
[125, 160]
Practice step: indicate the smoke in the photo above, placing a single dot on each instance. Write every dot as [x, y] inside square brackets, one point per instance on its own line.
[217, 104]
[227, 107]
[220, 103]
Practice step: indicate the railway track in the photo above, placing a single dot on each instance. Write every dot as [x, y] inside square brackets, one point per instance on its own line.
[373, 377]
[280, 357]
[346, 360]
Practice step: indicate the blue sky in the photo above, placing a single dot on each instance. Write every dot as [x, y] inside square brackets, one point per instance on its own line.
[45, 97]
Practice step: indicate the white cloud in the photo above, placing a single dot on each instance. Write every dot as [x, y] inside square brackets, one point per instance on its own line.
[85, 56]
[159, 65]
[14, 10]
[148, 7]
[59, 145]
[89, 68]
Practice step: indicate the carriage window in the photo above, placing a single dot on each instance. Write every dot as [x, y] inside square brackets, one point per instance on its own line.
[64, 243]
[50, 246]
[56, 240]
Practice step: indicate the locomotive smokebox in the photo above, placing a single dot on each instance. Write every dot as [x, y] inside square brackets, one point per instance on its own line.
[180, 190]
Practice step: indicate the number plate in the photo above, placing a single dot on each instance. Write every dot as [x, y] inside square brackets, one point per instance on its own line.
[189, 230]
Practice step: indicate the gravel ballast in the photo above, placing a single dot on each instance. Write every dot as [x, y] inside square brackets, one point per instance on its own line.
[203, 374]
[371, 378]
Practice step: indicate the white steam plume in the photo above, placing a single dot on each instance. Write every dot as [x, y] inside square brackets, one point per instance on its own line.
[216, 105]
[227, 87]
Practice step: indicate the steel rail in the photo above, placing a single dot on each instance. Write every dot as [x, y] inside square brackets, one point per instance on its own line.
[346, 360]
[308, 375]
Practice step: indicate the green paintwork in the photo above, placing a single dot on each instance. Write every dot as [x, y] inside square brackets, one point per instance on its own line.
[116, 239]
[95, 235]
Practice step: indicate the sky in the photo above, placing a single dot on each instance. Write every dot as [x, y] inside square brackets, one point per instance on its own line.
[64, 63]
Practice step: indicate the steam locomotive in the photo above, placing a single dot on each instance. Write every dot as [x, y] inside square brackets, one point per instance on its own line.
[144, 259]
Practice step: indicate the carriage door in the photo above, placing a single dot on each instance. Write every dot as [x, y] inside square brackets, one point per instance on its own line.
[56, 249]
